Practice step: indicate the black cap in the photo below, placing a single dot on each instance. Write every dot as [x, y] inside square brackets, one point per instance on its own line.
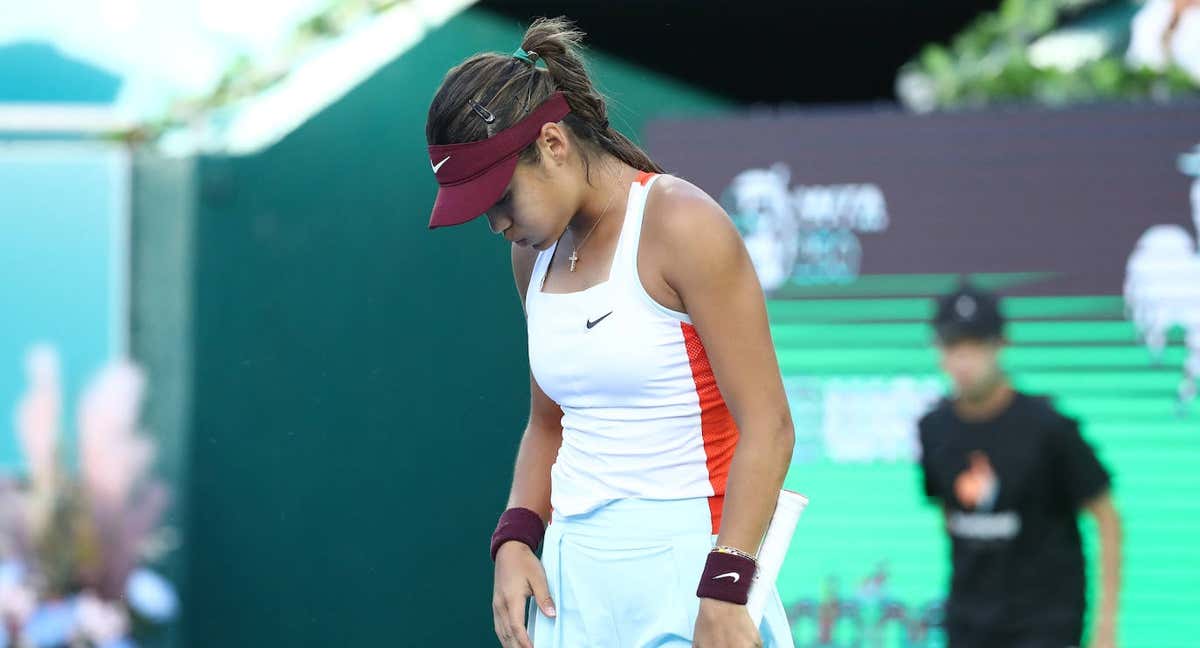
[968, 313]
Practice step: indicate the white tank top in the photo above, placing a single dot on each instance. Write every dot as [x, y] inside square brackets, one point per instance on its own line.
[642, 415]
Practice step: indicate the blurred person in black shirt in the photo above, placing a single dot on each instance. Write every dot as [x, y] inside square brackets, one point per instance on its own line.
[1011, 474]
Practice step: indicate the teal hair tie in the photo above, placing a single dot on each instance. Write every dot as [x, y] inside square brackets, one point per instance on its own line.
[528, 57]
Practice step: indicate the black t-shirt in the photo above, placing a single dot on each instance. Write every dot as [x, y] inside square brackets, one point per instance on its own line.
[1019, 564]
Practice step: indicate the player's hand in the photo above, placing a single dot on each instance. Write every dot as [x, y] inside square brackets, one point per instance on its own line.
[724, 625]
[519, 575]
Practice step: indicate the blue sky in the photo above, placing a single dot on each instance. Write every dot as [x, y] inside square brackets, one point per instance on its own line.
[161, 48]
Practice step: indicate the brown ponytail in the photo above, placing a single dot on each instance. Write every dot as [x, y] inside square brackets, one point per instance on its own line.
[507, 88]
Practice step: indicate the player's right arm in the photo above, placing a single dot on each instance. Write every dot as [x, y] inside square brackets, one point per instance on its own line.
[543, 434]
[519, 574]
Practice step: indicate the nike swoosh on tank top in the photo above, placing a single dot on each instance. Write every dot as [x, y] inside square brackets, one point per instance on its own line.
[642, 415]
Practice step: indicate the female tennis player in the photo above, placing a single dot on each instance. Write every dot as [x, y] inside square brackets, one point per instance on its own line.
[659, 432]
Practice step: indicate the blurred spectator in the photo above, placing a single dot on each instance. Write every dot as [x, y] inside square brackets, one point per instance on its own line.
[1011, 474]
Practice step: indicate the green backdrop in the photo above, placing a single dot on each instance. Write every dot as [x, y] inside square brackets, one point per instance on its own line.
[871, 215]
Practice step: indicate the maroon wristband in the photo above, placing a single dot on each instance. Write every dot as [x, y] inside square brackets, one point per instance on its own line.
[727, 577]
[520, 524]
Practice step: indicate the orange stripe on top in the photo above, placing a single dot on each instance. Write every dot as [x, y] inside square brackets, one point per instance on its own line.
[644, 177]
[716, 423]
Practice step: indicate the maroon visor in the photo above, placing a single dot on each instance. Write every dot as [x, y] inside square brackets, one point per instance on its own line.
[472, 176]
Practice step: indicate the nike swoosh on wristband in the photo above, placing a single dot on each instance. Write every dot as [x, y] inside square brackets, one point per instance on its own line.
[734, 575]
[439, 164]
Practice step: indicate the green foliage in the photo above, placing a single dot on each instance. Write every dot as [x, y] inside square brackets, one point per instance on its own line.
[988, 63]
[246, 77]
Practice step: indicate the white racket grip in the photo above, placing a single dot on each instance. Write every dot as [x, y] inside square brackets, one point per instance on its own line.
[773, 550]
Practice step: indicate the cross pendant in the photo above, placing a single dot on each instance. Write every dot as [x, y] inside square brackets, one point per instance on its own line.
[574, 259]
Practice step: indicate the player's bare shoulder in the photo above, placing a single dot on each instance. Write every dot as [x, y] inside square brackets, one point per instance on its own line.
[681, 218]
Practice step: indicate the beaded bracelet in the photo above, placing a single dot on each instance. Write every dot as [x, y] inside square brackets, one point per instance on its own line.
[735, 551]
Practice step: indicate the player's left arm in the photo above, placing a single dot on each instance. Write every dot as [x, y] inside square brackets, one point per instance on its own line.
[1108, 523]
[709, 268]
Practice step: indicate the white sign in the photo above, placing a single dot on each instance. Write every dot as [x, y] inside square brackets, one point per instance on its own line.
[807, 233]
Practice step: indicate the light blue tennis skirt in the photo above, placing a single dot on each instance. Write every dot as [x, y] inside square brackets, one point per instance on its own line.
[625, 576]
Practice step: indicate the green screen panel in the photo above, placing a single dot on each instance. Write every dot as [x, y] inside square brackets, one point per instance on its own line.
[868, 518]
[1085, 221]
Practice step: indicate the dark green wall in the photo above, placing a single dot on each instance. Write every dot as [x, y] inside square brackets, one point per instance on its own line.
[359, 383]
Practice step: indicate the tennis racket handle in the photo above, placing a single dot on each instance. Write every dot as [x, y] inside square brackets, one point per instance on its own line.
[773, 550]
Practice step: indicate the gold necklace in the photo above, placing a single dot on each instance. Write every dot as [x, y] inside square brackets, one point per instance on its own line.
[574, 258]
